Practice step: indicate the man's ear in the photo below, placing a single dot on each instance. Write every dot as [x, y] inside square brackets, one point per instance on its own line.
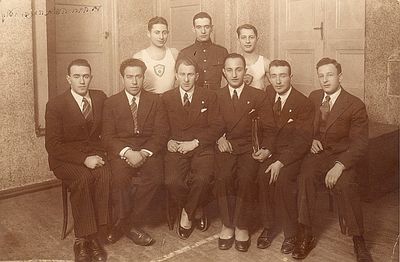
[340, 77]
[148, 33]
[197, 76]
[68, 77]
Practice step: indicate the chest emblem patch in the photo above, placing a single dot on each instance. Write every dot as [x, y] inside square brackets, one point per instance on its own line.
[159, 70]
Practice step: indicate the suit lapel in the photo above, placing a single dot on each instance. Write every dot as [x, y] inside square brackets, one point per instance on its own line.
[145, 105]
[96, 111]
[289, 104]
[317, 104]
[195, 107]
[73, 109]
[338, 108]
[243, 108]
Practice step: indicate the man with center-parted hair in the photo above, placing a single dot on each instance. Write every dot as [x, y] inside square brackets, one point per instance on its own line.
[277, 176]
[208, 56]
[135, 132]
[78, 158]
[238, 156]
[158, 58]
[195, 126]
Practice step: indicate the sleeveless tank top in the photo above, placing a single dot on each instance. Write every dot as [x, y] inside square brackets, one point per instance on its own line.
[257, 71]
[160, 74]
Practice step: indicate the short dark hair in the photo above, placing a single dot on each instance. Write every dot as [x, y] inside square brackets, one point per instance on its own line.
[78, 62]
[156, 20]
[235, 55]
[326, 61]
[132, 62]
[247, 26]
[278, 62]
[186, 61]
[202, 15]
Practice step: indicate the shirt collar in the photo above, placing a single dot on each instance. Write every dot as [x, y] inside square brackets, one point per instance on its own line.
[79, 99]
[190, 93]
[129, 96]
[333, 96]
[203, 43]
[283, 96]
[238, 90]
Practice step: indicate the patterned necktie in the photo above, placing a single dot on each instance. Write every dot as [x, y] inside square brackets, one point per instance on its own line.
[186, 102]
[87, 110]
[325, 108]
[134, 113]
[277, 107]
[235, 99]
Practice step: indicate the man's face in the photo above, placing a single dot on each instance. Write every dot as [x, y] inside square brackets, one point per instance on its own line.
[234, 71]
[329, 79]
[79, 79]
[247, 40]
[158, 35]
[133, 79]
[280, 78]
[202, 28]
[186, 76]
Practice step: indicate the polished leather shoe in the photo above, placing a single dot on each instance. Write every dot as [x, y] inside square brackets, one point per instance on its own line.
[182, 232]
[225, 244]
[81, 250]
[303, 247]
[265, 239]
[97, 251]
[202, 223]
[139, 237]
[242, 246]
[361, 250]
[288, 245]
[114, 235]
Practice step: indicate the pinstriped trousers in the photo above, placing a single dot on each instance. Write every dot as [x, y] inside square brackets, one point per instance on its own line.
[89, 195]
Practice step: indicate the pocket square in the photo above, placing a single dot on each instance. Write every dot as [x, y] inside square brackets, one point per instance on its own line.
[290, 120]
[203, 110]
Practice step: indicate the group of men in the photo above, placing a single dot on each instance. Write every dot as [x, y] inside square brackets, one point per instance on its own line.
[174, 124]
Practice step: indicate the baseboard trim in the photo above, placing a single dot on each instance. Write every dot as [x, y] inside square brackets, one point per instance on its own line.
[13, 192]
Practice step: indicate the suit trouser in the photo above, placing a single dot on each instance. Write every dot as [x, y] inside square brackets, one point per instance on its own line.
[279, 199]
[89, 195]
[188, 178]
[236, 188]
[346, 192]
[130, 201]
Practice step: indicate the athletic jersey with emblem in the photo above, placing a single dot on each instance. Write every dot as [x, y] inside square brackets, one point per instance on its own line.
[160, 74]
[257, 71]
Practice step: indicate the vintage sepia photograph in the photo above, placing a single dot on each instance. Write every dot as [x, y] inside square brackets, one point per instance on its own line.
[199, 130]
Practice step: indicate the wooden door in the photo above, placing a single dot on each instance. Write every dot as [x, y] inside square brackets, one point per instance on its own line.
[81, 30]
[308, 30]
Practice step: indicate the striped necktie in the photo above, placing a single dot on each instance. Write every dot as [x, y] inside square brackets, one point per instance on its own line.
[87, 109]
[277, 107]
[134, 108]
[325, 108]
[186, 102]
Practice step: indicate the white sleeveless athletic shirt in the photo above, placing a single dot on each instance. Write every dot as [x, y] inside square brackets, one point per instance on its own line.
[257, 71]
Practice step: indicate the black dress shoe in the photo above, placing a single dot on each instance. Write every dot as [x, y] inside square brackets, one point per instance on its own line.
[265, 239]
[115, 234]
[288, 245]
[225, 244]
[361, 250]
[242, 246]
[202, 223]
[81, 250]
[182, 232]
[303, 247]
[139, 237]
[97, 251]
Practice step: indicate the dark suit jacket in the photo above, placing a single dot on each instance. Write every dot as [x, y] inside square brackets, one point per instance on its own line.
[346, 127]
[118, 131]
[202, 121]
[295, 126]
[68, 138]
[237, 124]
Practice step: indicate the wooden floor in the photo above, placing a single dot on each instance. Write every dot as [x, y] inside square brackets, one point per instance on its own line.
[30, 228]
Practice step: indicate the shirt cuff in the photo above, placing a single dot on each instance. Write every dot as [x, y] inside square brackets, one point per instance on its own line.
[148, 151]
[340, 163]
[123, 151]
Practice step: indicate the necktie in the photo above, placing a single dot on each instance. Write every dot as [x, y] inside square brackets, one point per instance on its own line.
[235, 99]
[186, 102]
[87, 110]
[277, 107]
[134, 113]
[325, 108]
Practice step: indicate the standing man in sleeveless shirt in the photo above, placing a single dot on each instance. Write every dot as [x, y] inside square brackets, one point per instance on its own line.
[256, 64]
[159, 59]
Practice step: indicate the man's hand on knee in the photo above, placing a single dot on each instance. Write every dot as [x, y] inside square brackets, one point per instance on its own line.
[333, 175]
[93, 161]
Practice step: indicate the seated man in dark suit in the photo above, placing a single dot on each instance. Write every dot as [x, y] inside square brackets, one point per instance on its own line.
[135, 131]
[294, 114]
[77, 157]
[195, 126]
[340, 140]
[237, 158]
